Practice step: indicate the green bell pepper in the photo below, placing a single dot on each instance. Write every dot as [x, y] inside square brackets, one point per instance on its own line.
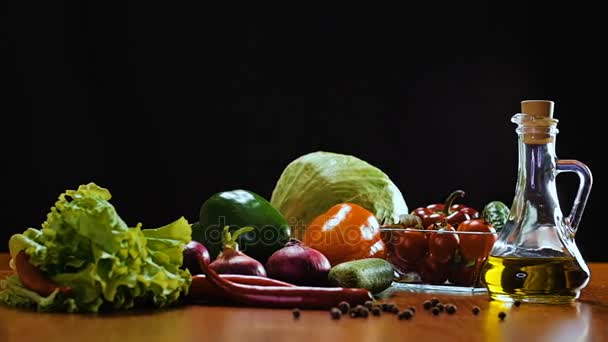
[237, 209]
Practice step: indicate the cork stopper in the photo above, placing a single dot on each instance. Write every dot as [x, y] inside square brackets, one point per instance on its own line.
[540, 108]
[537, 122]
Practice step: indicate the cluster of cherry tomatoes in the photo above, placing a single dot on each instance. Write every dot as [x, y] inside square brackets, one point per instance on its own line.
[442, 245]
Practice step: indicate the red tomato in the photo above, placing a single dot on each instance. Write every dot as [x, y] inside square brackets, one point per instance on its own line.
[434, 271]
[475, 247]
[410, 246]
[443, 244]
[463, 275]
[387, 237]
[402, 266]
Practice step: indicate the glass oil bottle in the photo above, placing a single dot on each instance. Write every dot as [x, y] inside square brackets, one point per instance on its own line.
[535, 258]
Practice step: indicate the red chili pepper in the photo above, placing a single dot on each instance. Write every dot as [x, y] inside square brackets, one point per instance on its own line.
[34, 279]
[301, 297]
[453, 213]
[201, 287]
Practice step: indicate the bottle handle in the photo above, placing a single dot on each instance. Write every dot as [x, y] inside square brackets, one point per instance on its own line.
[584, 187]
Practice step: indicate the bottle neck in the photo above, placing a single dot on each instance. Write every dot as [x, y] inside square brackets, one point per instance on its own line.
[537, 165]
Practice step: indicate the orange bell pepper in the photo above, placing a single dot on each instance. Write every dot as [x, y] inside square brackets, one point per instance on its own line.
[346, 232]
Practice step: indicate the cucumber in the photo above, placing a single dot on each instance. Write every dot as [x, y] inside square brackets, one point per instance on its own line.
[372, 274]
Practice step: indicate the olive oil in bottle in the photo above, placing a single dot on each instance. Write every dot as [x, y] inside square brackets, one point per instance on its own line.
[535, 258]
[547, 280]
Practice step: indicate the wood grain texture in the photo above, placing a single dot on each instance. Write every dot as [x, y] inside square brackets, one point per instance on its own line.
[585, 320]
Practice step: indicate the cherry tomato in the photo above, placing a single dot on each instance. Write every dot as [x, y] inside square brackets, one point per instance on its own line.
[410, 246]
[403, 266]
[429, 216]
[443, 244]
[434, 271]
[462, 274]
[476, 247]
[453, 213]
[388, 237]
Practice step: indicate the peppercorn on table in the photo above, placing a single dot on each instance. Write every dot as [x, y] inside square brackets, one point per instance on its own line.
[584, 320]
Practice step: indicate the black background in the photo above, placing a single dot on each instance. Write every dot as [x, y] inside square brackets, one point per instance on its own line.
[166, 105]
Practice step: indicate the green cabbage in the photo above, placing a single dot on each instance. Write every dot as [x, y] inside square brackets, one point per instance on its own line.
[84, 244]
[315, 182]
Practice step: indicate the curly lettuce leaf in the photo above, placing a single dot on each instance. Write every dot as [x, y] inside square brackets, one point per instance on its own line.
[84, 244]
[15, 294]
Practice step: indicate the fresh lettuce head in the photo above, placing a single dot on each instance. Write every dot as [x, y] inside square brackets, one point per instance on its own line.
[315, 182]
[85, 245]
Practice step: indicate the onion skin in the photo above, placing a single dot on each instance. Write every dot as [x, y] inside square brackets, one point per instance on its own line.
[191, 261]
[298, 264]
[233, 261]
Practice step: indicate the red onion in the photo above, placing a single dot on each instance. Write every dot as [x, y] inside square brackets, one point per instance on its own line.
[190, 253]
[232, 261]
[298, 265]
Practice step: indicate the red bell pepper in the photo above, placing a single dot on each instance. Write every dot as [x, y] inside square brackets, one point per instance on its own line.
[452, 213]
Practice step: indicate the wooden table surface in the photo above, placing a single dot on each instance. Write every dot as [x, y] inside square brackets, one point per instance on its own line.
[585, 320]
